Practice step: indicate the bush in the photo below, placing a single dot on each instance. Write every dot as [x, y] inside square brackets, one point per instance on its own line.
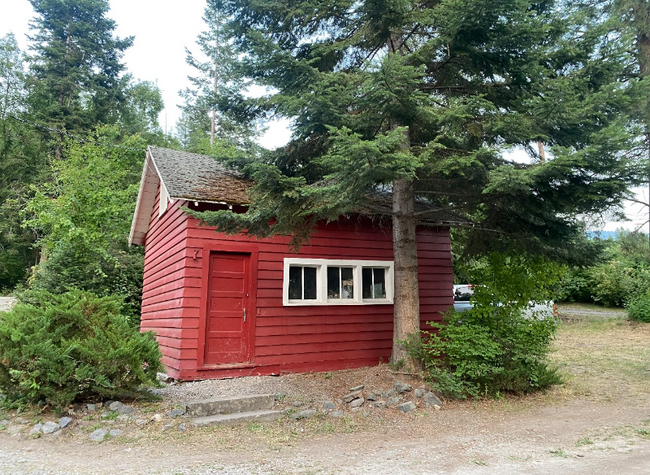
[60, 348]
[488, 351]
[638, 309]
[495, 347]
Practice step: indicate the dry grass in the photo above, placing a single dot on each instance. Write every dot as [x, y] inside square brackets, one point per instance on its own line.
[602, 354]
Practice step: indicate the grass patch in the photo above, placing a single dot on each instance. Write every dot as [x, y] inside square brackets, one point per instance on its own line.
[603, 356]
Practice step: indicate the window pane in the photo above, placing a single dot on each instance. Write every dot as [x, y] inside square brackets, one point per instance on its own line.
[295, 283]
[347, 289]
[310, 283]
[333, 283]
[366, 282]
[379, 288]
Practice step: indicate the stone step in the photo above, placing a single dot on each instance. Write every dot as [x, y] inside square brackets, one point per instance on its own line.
[251, 416]
[230, 405]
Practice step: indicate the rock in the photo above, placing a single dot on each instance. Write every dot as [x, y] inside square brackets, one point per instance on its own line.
[401, 388]
[352, 396]
[115, 405]
[141, 422]
[164, 378]
[4, 423]
[394, 401]
[418, 393]
[373, 396]
[337, 414]
[431, 400]
[356, 388]
[50, 427]
[65, 422]
[407, 406]
[182, 427]
[115, 433]
[36, 430]
[357, 403]
[123, 409]
[123, 417]
[91, 407]
[297, 404]
[329, 406]
[98, 435]
[167, 427]
[379, 404]
[280, 397]
[106, 415]
[157, 417]
[20, 420]
[176, 412]
[340, 401]
[306, 414]
[388, 394]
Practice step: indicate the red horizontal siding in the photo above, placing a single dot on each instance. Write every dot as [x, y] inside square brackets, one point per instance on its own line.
[309, 338]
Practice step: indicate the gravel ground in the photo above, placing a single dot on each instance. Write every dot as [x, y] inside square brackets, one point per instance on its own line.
[314, 387]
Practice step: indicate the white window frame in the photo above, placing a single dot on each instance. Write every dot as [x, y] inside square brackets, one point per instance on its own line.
[321, 266]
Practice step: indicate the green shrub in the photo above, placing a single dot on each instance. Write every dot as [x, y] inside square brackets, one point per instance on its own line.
[495, 347]
[638, 309]
[488, 351]
[57, 349]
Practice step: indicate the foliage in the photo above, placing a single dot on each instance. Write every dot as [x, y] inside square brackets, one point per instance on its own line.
[212, 110]
[21, 163]
[60, 348]
[638, 308]
[494, 348]
[84, 219]
[619, 273]
[75, 83]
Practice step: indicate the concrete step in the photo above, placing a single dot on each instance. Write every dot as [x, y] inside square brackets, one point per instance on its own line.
[251, 416]
[230, 405]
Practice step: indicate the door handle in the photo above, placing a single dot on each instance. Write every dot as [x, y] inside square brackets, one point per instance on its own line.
[244, 314]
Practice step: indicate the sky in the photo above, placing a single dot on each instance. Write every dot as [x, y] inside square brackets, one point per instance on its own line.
[162, 30]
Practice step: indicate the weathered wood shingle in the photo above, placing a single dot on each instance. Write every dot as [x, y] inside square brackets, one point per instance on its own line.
[195, 177]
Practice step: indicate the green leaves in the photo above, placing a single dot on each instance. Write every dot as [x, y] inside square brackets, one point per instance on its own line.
[60, 348]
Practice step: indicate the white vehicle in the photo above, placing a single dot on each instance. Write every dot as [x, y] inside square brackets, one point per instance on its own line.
[462, 302]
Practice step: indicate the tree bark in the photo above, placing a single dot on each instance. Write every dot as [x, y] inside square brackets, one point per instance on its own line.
[406, 321]
[406, 308]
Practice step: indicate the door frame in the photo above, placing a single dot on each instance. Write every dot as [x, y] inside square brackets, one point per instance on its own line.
[204, 254]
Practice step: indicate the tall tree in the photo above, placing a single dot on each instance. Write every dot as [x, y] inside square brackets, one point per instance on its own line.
[76, 65]
[213, 98]
[424, 98]
[21, 160]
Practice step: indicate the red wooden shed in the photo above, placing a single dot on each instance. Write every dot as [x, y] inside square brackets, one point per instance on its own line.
[225, 306]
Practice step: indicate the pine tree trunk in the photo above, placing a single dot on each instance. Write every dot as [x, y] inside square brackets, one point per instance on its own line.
[406, 320]
[406, 309]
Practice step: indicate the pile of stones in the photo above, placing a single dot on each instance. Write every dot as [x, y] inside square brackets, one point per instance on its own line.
[401, 396]
[107, 415]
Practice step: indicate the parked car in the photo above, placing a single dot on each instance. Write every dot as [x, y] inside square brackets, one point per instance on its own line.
[463, 301]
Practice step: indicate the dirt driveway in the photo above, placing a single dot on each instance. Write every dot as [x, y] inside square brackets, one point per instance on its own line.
[597, 423]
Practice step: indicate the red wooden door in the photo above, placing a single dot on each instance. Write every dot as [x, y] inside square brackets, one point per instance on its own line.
[227, 337]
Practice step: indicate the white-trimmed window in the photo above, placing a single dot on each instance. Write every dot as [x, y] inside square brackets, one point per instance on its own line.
[337, 282]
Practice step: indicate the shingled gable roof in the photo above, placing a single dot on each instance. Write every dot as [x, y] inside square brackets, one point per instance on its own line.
[194, 177]
[190, 176]
[184, 176]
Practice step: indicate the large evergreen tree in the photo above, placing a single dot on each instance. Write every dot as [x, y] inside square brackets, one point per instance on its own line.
[425, 98]
[212, 102]
[76, 66]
